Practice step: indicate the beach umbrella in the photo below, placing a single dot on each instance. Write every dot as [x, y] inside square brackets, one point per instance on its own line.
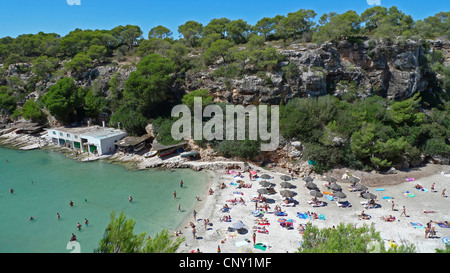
[263, 191]
[287, 193]
[286, 185]
[339, 194]
[238, 225]
[265, 176]
[308, 179]
[335, 187]
[285, 177]
[331, 179]
[265, 183]
[361, 187]
[311, 186]
[368, 195]
[354, 180]
[316, 193]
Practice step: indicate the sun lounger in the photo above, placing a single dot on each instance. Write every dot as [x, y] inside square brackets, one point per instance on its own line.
[381, 189]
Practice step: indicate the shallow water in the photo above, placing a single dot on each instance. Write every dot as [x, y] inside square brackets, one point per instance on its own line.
[44, 182]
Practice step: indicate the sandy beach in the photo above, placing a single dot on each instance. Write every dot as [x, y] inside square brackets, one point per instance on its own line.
[279, 239]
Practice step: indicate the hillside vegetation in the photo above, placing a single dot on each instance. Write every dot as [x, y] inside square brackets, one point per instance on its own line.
[344, 115]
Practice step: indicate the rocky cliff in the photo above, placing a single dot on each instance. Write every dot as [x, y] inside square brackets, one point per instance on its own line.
[395, 70]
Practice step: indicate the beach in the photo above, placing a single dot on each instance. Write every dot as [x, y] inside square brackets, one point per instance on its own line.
[421, 206]
[271, 237]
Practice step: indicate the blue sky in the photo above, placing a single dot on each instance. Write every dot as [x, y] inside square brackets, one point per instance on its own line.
[31, 16]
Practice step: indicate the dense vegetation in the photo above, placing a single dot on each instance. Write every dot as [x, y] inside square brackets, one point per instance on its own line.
[119, 237]
[347, 239]
[366, 134]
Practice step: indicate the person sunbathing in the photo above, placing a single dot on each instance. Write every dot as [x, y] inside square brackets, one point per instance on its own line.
[260, 229]
[419, 187]
[301, 229]
[389, 218]
[364, 216]
[225, 208]
[225, 218]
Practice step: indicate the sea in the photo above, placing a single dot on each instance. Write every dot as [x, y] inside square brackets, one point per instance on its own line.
[44, 182]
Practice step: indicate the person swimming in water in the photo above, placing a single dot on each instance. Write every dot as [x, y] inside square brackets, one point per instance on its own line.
[86, 222]
[79, 226]
[130, 198]
[58, 216]
[71, 203]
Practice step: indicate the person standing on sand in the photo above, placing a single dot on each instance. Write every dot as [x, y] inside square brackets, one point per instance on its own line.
[443, 193]
[195, 215]
[404, 211]
[254, 238]
[179, 207]
[393, 204]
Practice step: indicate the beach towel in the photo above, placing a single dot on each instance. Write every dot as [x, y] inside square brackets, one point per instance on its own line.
[280, 213]
[233, 184]
[386, 197]
[302, 215]
[238, 192]
[329, 197]
[410, 179]
[381, 189]
[321, 217]
[444, 225]
[241, 243]
[261, 246]
[327, 192]
[409, 194]
[417, 225]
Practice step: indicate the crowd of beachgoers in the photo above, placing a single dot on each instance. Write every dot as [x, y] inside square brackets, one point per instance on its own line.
[256, 210]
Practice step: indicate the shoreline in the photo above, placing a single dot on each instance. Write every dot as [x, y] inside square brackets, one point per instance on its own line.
[279, 239]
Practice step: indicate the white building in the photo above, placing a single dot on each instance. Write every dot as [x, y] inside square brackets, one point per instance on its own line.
[92, 139]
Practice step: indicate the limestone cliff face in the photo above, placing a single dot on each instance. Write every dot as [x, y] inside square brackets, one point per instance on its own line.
[395, 70]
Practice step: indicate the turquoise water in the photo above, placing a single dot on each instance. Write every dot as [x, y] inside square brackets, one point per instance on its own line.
[44, 182]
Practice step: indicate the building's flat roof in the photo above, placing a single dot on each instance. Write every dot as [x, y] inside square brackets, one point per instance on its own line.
[132, 141]
[92, 131]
